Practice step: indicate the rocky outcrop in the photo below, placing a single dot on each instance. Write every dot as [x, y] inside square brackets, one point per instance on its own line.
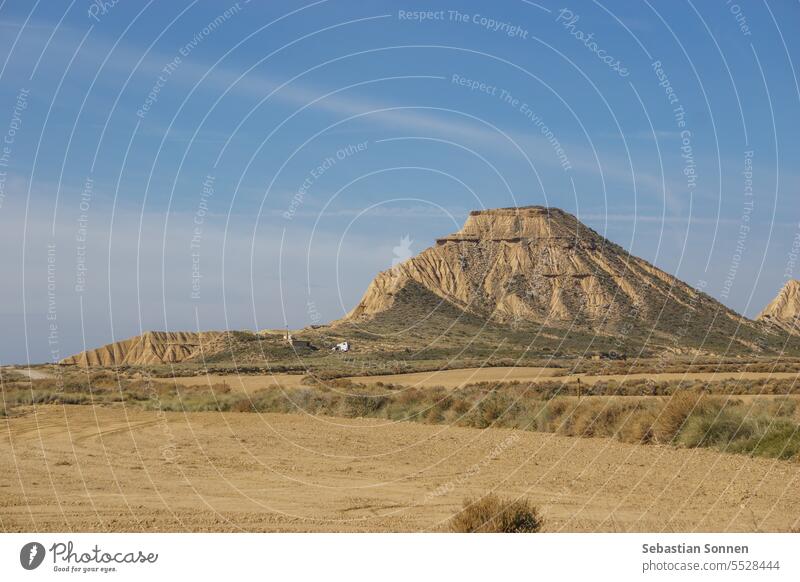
[152, 347]
[541, 265]
[784, 311]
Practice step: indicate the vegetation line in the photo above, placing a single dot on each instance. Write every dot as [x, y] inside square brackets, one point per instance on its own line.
[701, 415]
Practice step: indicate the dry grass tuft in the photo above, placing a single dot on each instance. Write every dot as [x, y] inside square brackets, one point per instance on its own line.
[672, 417]
[490, 514]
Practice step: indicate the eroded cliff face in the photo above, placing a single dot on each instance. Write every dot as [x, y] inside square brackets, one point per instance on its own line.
[536, 264]
[784, 310]
[152, 347]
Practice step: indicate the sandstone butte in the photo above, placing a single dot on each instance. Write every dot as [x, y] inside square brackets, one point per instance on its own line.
[536, 264]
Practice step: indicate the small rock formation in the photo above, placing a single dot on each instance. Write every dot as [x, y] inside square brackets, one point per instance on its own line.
[784, 310]
[152, 347]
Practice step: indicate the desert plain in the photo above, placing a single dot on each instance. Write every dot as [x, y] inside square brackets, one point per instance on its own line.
[78, 468]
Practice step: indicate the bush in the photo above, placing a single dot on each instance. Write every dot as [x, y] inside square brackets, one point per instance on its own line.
[672, 417]
[731, 430]
[360, 405]
[492, 410]
[490, 514]
[242, 405]
[780, 439]
[638, 428]
[715, 429]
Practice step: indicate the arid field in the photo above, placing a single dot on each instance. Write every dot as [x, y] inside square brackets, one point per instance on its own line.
[463, 376]
[241, 382]
[87, 468]
[456, 378]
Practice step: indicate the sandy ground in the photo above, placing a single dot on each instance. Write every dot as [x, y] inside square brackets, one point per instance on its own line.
[79, 468]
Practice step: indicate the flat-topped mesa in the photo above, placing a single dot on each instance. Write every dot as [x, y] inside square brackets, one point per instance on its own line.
[516, 224]
[534, 264]
[541, 266]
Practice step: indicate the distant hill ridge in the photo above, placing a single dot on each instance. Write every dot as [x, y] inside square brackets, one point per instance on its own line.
[152, 347]
[535, 269]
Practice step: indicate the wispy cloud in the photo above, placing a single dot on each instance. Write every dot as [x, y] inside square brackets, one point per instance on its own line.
[351, 103]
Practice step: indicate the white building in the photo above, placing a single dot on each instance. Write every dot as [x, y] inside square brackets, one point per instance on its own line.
[342, 347]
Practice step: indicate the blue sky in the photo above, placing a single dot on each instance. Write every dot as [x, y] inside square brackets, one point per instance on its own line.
[207, 165]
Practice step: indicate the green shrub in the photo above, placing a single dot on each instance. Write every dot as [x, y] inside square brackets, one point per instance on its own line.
[715, 428]
[732, 430]
[779, 439]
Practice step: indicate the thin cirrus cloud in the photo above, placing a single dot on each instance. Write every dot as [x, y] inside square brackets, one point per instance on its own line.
[126, 60]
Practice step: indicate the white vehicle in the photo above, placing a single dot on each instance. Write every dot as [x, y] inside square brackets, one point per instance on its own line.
[341, 347]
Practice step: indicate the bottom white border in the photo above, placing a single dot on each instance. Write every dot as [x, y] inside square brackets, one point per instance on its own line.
[406, 557]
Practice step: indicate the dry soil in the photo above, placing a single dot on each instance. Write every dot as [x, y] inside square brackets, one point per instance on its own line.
[81, 468]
